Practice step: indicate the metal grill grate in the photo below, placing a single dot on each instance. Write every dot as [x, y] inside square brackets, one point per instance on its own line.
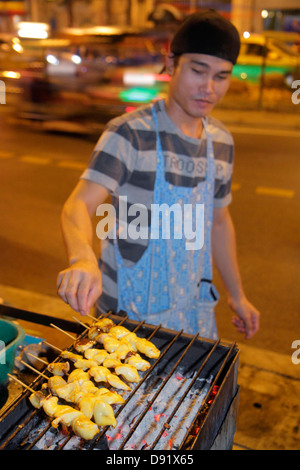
[194, 358]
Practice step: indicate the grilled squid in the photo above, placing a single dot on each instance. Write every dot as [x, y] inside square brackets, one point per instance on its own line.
[109, 396]
[97, 355]
[59, 368]
[70, 355]
[103, 374]
[101, 326]
[83, 344]
[105, 324]
[37, 399]
[103, 414]
[85, 364]
[78, 375]
[134, 359]
[109, 342]
[84, 427]
[119, 331]
[144, 346]
[128, 372]
[67, 415]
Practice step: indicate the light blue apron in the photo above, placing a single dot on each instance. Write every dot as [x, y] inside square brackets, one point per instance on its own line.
[171, 285]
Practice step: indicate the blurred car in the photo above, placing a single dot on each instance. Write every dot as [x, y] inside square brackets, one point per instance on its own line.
[260, 54]
[86, 77]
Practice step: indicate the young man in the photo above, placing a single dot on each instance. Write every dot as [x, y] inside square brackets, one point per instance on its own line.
[167, 156]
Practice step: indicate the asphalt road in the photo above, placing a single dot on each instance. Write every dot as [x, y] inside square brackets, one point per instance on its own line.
[39, 170]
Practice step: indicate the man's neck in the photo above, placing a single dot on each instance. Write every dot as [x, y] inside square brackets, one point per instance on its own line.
[189, 125]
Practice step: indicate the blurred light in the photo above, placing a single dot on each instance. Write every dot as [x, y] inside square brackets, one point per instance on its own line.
[10, 74]
[139, 95]
[28, 29]
[131, 78]
[51, 59]
[134, 78]
[76, 59]
[243, 76]
[264, 13]
[129, 109]
[246, 34]
[17, 47]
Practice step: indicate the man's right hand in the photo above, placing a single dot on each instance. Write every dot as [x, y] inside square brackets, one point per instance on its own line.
[80, 285]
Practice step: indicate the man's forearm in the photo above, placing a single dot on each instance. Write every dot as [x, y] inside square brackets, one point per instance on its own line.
[77, 231]
[225, 256]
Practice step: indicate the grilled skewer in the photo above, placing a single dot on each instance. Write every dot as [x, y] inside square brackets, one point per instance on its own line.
[64, 414]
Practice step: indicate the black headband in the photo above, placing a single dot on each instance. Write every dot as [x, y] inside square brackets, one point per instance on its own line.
[208, 33]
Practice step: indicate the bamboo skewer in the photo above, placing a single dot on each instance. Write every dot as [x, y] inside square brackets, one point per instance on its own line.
[52, 346]
[63, 331]
[38, 358]
[35, 370]
[81, 323]
[21, 383]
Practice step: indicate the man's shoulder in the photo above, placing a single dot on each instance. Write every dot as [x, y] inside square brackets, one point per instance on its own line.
[219, 131]
[138, 119]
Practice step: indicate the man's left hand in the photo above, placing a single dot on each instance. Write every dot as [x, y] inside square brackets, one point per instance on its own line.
[247, 316]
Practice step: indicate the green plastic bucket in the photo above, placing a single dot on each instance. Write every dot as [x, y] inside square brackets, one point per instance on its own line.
[11, 336]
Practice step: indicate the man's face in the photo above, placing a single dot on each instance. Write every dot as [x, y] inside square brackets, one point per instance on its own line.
[199, 82]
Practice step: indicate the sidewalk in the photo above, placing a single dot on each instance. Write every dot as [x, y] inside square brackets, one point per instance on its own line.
[269, 404]
[259, 119]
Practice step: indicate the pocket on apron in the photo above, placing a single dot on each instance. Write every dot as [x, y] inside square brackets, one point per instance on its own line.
[204, 311]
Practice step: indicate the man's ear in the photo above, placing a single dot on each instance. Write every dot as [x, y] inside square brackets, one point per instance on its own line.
[169, 63]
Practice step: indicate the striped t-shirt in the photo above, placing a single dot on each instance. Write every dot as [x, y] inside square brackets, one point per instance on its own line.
[124, 162]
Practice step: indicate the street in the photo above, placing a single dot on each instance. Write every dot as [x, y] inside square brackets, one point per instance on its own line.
[39, 170]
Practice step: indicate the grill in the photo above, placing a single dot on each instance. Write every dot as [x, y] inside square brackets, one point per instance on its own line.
[187, 400]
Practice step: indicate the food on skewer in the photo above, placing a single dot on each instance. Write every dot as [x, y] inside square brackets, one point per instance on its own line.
[119, 331]
[141, 344]
[111, 362]
[102, 374]
[121, 335]
[103, 413]
[102, 326]
[78, 375]
[85, 364]
[85, 428]
[83, 344]
[59, 368]
[109, 396]
[105, 324]
[146, 347]
[81, 425]
[37, 398]
[128, 372]
[97, 355]
[93, 406]
[110, 342]
[65, 414]
[70, 355]
[55, 382]
[56, 368]
[134, 359]
[90, 404]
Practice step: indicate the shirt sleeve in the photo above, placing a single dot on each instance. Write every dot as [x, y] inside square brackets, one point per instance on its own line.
[113, 158]
[224, 156]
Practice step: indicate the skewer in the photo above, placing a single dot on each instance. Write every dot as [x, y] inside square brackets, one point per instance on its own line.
[52, 346]
[63, 331]
[21, 383]
[38, 358]
[35, 370]
[81, 323]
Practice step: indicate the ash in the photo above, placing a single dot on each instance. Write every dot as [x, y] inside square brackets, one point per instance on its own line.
[152, 423]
